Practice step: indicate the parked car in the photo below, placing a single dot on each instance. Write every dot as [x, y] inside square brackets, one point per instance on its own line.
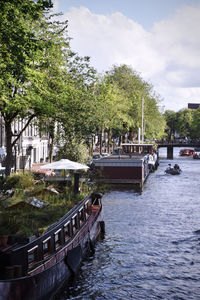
[96, 156]
[105, 154]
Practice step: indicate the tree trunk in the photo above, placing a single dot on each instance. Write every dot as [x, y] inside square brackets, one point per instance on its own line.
[101, 140]
[51, 143]
[131, 135]
[51, 140]
[91, 145]
[109, 138]
[9, 154]
[120, 141]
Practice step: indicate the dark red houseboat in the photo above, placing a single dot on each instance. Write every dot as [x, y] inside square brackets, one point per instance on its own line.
[34, 270]
[131, 165]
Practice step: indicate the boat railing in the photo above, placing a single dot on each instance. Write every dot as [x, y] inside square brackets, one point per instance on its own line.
[56, 257]
[67, 215]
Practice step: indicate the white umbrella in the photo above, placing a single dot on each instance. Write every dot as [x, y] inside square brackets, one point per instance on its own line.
[64, 164]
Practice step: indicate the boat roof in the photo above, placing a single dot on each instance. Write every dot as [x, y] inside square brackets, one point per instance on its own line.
[140, 145]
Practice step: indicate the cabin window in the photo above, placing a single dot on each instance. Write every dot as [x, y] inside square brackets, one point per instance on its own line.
[67, 230]
[75, 223]
[47, 246]
[58, 239]
[82, 215]
[33, 255]
[87, 206]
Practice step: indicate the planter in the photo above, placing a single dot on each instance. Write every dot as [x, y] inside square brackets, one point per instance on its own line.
[3, 239]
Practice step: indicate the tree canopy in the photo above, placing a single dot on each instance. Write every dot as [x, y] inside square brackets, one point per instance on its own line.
[27, 46]
[42, 79]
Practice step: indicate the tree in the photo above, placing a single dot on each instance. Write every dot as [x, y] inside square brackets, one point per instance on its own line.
[154, 123]
[195, 124]
[139, 95]
[74, 149]
[171, 122]
[184, 121]
[111, 112]
[27, 43]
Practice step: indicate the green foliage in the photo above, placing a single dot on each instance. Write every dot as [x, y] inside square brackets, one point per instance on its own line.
[77, 114]
[171, 123]
[19, 181]
[73, 149]
[133, 89]
[31, 64]
[195, 124]
[26, 220]
[43, 81]
[185, 122]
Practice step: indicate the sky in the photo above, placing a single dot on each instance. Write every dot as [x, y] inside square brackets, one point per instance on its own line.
[159, 39]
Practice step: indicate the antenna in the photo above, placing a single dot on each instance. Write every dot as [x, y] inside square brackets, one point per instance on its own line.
[142, 120]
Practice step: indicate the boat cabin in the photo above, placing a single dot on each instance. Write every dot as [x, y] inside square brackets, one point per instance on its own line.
[144, 149]
[131, 165]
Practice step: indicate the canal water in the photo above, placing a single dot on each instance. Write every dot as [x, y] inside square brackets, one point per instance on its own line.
[151, 249]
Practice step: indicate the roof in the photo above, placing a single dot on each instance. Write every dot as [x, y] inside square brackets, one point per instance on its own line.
[193, 105]
[140, 145]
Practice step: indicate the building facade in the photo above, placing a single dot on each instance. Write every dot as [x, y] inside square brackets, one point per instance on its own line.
[31, 148]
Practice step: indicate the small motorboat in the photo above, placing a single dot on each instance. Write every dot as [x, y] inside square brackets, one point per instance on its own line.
[173, 171]
[186, 152]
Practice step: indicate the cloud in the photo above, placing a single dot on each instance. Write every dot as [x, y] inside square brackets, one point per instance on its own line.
[113, 39]
[179, 37]
[167, 56]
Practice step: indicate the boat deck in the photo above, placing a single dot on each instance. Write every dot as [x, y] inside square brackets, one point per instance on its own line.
[124, 156]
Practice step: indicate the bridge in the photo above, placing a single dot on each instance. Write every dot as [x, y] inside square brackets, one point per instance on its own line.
[177, 143]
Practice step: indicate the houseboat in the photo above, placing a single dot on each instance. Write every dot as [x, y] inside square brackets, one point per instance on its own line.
[130, 165]
[186, 152]
[35, 269]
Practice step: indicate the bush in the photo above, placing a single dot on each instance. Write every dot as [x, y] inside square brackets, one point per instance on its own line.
[20, 181]
[75, 150]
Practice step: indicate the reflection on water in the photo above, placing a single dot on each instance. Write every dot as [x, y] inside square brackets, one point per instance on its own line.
[151, 249]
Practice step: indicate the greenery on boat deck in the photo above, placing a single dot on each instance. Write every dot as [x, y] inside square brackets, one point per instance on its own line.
[18, 216]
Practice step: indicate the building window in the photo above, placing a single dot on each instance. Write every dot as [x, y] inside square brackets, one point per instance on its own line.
[32, 255]
[67, 230]
[58, 239]
[46, 247]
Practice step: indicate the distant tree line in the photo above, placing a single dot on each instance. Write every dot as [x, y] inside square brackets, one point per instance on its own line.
[42, 79]
[185, 123]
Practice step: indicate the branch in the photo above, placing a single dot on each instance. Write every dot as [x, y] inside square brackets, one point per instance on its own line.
[23, 129]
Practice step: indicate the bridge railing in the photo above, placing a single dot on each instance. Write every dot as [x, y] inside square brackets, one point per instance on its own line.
[180, 142]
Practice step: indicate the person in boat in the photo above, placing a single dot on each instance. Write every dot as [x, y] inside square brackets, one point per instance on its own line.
[169, 167]
[176, 167]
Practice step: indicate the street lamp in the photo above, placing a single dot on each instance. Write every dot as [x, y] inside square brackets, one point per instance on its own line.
[28, 151]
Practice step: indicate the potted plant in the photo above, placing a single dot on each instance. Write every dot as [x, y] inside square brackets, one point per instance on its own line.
[3, 239]
[4, 234]
[6, 229]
